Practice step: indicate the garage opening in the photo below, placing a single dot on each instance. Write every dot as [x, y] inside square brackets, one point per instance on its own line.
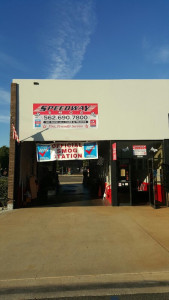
[68, 184]
[63, 182]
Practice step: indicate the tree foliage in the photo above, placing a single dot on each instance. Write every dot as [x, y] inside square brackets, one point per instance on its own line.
[4, 157]
[3, 191]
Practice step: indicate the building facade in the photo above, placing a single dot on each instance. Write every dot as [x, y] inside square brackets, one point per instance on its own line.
[124, 121]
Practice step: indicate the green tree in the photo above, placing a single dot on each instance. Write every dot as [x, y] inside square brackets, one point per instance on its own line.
[4, 157]
[3, 191]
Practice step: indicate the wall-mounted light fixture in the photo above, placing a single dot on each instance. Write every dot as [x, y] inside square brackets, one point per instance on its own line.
[125, 149]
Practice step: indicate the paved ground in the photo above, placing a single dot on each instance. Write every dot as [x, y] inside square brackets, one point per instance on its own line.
[68, 179]
[75, 195]
[75, 251]
[72, 192]
[159, 296]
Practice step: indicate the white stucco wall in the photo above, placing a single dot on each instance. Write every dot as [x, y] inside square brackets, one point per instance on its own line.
[128, 109]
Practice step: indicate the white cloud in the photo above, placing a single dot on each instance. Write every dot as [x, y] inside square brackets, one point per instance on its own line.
[4, 119]
[67, 48]
[4, 96]
[155, 54]
[161, 55]
[145, 43]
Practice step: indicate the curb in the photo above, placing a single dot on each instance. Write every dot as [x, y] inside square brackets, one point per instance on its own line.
[87, 285]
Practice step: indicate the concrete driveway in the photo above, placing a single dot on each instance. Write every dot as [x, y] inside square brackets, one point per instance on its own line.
[79, 244]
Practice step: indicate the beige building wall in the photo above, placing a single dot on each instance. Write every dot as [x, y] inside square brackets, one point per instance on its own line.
[128, 109]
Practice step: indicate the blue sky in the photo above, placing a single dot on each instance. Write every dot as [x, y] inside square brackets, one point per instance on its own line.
[80, 39]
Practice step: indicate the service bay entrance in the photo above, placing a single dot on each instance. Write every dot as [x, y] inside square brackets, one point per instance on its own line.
[46, 180]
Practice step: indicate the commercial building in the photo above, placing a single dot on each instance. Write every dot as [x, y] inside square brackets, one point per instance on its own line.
[120, 127]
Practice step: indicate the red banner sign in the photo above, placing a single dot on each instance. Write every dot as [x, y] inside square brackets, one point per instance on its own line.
[114, 152]
[65, 116]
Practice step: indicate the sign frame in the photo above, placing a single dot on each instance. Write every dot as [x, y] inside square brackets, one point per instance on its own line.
[65, 115]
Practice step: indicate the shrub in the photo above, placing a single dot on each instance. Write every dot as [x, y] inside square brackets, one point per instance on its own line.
[3, 191]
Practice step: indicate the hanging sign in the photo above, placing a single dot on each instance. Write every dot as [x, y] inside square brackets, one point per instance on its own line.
[65, 116]
[66, 151]
[45, 153]
[139, 150]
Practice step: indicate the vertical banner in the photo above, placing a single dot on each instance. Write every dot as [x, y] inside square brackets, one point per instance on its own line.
[114, 151]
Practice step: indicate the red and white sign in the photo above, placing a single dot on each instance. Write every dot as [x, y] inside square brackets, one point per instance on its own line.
[93, 123]
[67, 151]
[139, 150]
[65, 116]
[114, 151]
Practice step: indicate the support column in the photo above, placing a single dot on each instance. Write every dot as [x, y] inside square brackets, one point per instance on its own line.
[166, 169]
[114, 173]
[12, 148]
